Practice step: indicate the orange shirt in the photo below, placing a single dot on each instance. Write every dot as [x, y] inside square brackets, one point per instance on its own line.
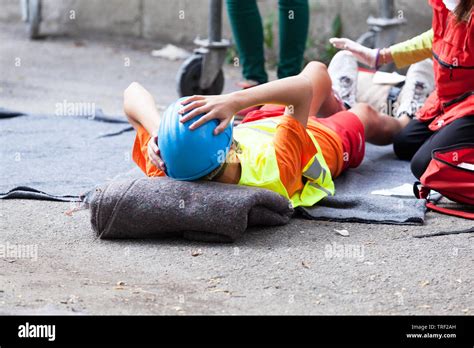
[294, 148]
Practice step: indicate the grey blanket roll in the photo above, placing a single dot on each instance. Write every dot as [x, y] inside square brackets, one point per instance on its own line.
[204, 211]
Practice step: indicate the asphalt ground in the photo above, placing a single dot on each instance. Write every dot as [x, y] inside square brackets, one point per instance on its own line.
[305, 267]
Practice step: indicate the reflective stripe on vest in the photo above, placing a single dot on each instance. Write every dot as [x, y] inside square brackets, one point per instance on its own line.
[260, 167]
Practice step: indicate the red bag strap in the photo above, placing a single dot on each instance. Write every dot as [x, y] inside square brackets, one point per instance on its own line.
[458, 213]
[421, 191]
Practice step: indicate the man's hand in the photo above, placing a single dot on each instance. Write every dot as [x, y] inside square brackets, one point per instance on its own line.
[363, 54]
[154, 153]
[214, 107]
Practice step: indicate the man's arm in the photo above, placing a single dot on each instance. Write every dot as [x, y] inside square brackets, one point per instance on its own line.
[140, 108]
[295, 92]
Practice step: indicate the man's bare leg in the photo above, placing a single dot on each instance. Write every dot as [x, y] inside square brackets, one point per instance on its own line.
[330, 106]
[324, 103]
[379, 129]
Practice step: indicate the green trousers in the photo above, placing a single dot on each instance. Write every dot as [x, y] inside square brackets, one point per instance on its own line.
[247, 29]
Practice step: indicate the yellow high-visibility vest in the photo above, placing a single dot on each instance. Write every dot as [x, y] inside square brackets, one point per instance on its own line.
[260, 168]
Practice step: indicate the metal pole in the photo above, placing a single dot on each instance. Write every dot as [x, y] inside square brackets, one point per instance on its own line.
[215, 20]
[387, 8]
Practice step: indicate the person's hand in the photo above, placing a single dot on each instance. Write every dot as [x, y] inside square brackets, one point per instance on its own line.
[214, 107]
[154, 153]
[365, 55]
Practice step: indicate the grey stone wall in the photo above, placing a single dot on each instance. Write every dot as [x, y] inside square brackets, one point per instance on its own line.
[162, 20]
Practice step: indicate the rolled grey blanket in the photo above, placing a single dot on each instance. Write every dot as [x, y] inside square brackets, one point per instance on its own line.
[204, 211]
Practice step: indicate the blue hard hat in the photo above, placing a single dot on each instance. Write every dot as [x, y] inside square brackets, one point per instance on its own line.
[191, 154]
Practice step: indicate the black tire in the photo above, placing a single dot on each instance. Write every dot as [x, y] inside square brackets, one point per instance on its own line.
[189, 75]
[34, 18]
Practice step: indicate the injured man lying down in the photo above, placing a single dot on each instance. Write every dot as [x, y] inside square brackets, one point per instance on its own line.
[306, 131]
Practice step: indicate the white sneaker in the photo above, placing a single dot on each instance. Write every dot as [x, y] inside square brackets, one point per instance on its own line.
[418, 86]
[343, 71]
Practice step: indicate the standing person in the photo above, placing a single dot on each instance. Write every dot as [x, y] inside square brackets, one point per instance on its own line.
[447, 116]
[247, 29]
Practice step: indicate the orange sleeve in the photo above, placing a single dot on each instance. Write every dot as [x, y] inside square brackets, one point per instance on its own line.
[293, 148]
[140, 153]
[329, 142]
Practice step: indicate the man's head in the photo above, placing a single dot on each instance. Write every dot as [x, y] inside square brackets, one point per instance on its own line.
[191, 154]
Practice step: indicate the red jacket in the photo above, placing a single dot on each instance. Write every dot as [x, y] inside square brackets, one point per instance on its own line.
[453, 56]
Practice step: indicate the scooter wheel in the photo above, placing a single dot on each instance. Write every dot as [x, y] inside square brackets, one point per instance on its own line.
[34, 18]
[189, 75]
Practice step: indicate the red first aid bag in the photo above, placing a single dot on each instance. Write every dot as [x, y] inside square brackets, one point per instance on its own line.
[451, 173]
